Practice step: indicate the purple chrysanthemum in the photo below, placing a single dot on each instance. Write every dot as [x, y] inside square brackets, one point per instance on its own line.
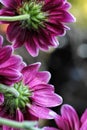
[47, 20]
[10, 65]
[35, 97]
[69, 120]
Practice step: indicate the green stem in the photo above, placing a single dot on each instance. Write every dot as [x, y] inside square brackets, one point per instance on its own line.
[14, 124]
[4, 89]
[14, 18]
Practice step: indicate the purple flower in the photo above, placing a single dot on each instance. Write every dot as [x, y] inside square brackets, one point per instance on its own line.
[69, 120]
[35, 98]
[10, 65]
[47, 20]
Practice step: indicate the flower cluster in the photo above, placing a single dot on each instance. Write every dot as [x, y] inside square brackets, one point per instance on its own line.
[34, 99]
[44, 21]
[25, 92]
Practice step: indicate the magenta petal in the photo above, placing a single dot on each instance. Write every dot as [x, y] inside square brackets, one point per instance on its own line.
[84, 116]
[30, 71]
[84, 126]
[55, 28]
[1, 41]
[62, 124]
[49, 128]
[4, 127]
[9, 3]
[13, 36]
[14, 61]
[19, 115]
[41, 112]
[5, 54]
[42, 87]
[67, 17]
[9, 72]
[69, 113]
[31, 46]
[1, 98]
[41, 77]
[46, 98]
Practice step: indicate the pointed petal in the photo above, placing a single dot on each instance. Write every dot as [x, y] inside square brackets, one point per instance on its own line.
[31, 46]
[69, 113]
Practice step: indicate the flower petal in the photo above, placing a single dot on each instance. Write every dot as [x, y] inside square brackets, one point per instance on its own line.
[5, 54]
[31, 46]
[46, 98]
[40, 78]
[84, 116]
[19, 115]
[41, 112]
[29, 72]
[41, 87]
[49, 128]
[84, 126]
[9, 3]
[69, 114]
[4, 127]
[62, 124]
[1, 41]
[1, 98]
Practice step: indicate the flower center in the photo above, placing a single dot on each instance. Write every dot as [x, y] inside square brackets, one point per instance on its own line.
[11, 103]
[36, 15]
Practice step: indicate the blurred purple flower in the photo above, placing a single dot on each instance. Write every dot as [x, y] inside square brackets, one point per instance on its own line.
[35, 98]
[69, 120]
[10, 65]
[47, 20]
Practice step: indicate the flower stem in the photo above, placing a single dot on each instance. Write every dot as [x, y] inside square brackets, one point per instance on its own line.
[14, 18]
[4, 89]
[22, 125]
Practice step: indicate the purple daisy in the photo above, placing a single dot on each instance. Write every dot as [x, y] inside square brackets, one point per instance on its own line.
[35, 98]
[69, 120]
[46, 20]
[10, 65]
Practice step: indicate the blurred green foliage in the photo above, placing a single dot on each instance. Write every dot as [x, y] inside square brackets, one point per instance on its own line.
[79, 10]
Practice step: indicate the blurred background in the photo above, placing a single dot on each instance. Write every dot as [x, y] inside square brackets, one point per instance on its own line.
[67, 63]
